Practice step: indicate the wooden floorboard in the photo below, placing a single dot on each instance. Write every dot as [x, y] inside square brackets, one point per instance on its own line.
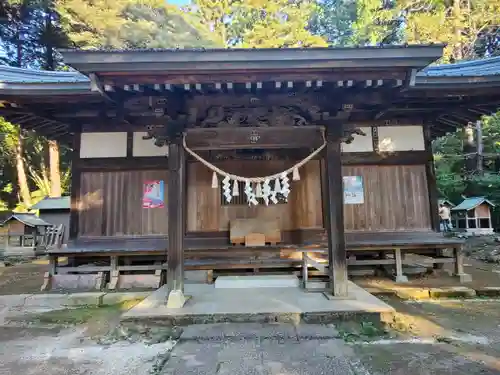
[158, 245]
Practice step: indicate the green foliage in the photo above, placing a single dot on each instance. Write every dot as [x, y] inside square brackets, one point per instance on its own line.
[280, 23]
[129, 24]
[333, 20]
[449, 162]
[259, 23]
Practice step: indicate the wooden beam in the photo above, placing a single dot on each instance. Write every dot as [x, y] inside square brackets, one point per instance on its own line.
[176, 209]
[337, 271]
[121, 164]
[130, 144]
[386, 158]
[247, 138]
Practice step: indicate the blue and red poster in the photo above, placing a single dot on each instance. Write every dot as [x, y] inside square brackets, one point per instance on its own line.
[153, 194]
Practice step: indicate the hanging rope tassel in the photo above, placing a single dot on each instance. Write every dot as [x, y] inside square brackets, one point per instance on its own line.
[277, 186]
[215, 181]
[236, 190]
[263, 183]
[258, 190]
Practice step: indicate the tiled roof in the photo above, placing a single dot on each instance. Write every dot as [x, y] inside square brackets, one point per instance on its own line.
[208, 50]
[60, 203]
[484, 67]
[470, 203]
[12, 78]
[30, 220]
[9, 74]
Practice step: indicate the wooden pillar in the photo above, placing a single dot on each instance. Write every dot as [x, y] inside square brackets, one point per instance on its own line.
[430, 173]
[74, 216]
[176, 202]
[334, 206]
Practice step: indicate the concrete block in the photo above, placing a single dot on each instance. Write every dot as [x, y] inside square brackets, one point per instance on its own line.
[412, 293]
[257, 281]
[176, 300]
[116, 298]
[464, 278]
[139, 281]
[77, 282]
[488, 291]
[239, 331]
[198, 276]
[401, 279]
[452, 292]
[85, 299]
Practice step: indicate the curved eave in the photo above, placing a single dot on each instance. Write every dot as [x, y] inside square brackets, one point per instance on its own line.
[43, 89]
[457, 82]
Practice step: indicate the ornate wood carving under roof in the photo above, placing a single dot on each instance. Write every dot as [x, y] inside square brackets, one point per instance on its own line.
[257, 117]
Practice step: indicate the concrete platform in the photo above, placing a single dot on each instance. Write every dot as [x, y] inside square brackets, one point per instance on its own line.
[256, 281]
[261, 305]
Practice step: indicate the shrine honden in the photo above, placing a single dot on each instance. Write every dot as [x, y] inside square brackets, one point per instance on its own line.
[246, 161]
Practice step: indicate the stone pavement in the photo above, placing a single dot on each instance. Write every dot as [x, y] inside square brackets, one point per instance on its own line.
[23, 304]
[261, 349]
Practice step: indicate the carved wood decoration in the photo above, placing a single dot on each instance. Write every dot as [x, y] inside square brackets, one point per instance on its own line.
[255, 117]
[349, 133]
[273, 110]
[175, 113]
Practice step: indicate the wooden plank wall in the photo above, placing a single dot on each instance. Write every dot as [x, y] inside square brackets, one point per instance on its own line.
[396, 198]
[206, 214]
[111, 204]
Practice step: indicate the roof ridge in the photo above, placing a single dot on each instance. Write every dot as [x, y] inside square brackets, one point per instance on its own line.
[202, 49]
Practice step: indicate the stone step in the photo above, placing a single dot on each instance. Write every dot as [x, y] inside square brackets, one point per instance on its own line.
[257, 281]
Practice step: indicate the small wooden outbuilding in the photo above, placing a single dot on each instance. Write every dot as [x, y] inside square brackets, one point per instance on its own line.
[21, 233]
[56, 212]
[473, 215]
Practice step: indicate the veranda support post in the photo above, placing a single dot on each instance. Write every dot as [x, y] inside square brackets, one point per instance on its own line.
[176, 209]
[334, 205]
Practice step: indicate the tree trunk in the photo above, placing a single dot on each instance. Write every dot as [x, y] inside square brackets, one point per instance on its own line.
[55, 173]
[49, 33]
[470, 162]
[457, 14]
[21, 173]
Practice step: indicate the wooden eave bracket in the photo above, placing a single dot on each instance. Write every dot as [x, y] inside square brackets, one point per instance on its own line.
[410, 80]
[96, 86]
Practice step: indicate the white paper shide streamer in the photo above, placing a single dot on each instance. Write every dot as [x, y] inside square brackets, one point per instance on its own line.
[268, 189]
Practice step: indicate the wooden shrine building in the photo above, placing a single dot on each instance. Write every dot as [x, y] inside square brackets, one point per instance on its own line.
[241, 159]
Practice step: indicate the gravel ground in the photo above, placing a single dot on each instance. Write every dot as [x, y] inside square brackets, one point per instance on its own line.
[21, 278]
[428, 338]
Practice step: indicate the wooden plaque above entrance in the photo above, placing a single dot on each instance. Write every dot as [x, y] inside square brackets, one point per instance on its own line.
[248, 138]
